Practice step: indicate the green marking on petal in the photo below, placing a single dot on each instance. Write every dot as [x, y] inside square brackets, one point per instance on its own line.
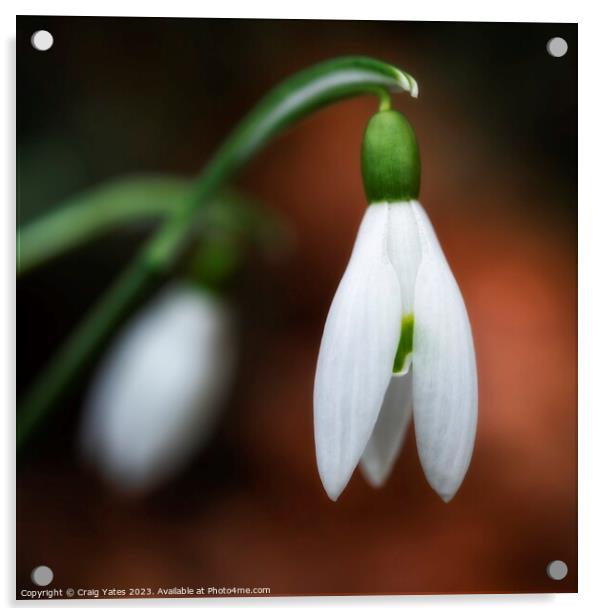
[405, 343]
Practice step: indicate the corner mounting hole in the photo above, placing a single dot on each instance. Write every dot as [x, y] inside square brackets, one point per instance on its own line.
[557, 47]
[557, 570]
[42, 575]
[42, 40]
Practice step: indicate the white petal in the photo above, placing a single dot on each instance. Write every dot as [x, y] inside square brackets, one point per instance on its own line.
[389, 432]
[156, 395]
[356, 355]
[445, 375]
[404, 249]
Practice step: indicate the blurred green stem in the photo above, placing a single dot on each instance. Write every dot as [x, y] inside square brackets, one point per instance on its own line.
[141, 198]
[295, 98]
[97, 211]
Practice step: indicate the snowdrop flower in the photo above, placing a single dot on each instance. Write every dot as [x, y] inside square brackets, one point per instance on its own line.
[397, 337]
[155, 399]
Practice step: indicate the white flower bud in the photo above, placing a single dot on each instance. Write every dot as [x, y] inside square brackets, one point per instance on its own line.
[156, 396]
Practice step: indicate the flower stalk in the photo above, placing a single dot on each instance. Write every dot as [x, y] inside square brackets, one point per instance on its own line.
[294, 99]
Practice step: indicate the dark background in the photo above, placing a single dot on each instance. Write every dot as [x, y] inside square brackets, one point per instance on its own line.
[496, 121]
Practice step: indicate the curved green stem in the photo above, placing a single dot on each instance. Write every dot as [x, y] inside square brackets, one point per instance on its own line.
[297, 97]
[294, 99]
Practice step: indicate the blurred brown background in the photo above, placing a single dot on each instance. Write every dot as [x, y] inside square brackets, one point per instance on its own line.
[496, 122]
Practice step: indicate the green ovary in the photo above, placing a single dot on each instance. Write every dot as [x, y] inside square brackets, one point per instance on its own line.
[405, 342]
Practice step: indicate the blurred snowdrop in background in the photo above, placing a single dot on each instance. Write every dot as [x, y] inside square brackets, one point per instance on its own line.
[157, 395]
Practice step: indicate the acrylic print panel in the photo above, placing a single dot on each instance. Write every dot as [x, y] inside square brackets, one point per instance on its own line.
[196, 397]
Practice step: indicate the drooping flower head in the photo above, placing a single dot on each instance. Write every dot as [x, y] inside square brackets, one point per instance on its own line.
[397, 341]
